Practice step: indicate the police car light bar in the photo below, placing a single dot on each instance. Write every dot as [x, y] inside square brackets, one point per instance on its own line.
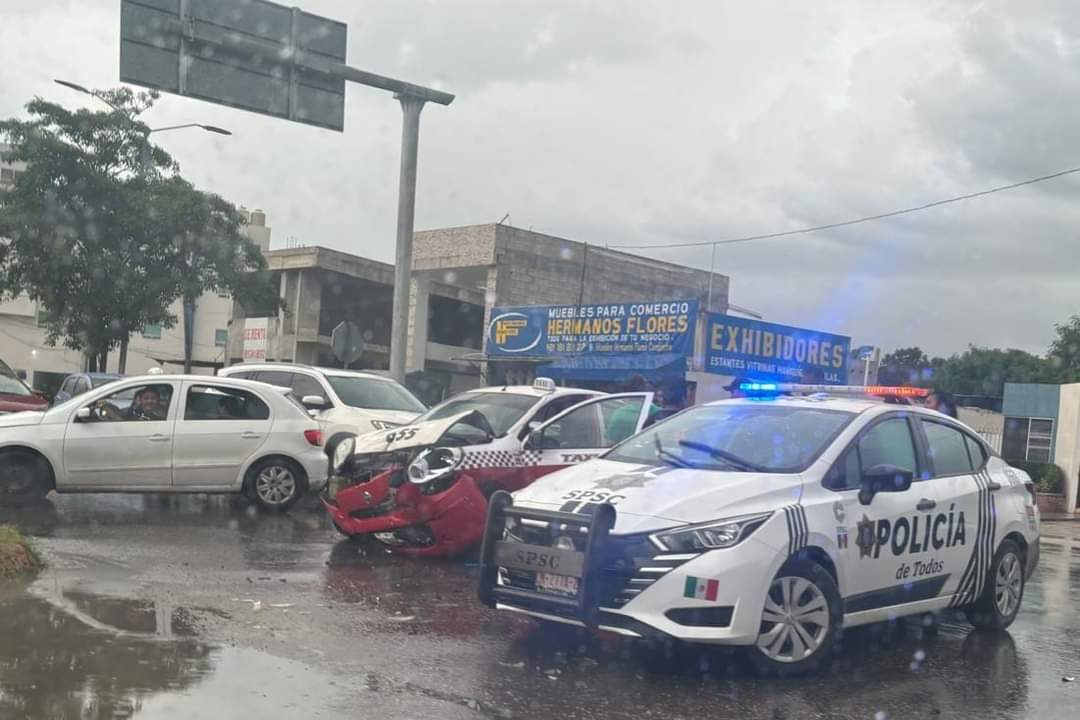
[769, 388]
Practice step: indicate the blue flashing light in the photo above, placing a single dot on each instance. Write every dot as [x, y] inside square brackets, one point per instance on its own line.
[758, 387]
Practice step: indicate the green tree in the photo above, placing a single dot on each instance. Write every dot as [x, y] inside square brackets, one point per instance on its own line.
[984, 371]
[103, 232]
[903, 366]
[1065, 350]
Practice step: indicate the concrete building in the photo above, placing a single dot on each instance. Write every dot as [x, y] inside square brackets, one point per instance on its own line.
[22, 335]
[459, 275]
[1042, 424]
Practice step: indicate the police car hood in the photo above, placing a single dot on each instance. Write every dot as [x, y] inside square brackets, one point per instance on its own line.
[651, 497]
[417, 435]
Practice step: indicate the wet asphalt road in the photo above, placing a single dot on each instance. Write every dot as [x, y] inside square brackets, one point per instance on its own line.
[188, 607]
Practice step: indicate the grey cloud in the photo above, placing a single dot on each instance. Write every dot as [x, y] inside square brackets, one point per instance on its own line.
[647, 122]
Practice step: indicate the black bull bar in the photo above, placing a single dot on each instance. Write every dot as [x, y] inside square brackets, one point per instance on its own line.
[583, 565]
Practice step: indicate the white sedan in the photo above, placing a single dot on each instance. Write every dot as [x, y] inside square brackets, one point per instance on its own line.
[166, 434]
[771, 523]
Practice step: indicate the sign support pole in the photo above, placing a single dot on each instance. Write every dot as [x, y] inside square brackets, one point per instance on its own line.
[410, 141]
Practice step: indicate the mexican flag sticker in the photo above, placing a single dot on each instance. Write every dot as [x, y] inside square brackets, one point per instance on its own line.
[701, 589]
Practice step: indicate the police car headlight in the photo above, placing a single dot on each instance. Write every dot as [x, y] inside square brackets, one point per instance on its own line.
[710, 536]
[343, 452]
[433, 464]
[384, 425]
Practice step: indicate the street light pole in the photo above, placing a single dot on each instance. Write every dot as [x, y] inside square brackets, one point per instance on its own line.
[410, 141]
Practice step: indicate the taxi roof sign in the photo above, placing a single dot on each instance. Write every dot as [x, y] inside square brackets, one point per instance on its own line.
[771, 388]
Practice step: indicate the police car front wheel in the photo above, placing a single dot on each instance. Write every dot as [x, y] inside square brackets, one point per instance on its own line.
[997, 606]
[800, 620]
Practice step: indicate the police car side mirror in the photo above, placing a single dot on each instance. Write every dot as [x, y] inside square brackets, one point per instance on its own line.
[534, 440]
[884, 478]
[83, 414]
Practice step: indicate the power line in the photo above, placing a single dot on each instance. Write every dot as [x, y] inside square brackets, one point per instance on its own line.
[868, 218]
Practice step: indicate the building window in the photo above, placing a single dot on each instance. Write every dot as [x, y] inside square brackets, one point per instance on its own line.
[152, 332]
[43, 316]
[1028, 439]
[221, 337]
[7, 175]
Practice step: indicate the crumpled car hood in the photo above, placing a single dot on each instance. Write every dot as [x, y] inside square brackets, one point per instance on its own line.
[414, 436]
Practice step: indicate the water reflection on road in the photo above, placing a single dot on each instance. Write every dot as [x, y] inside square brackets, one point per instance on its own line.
[147, 609]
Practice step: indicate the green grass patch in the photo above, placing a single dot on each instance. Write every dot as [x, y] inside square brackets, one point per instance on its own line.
[17, 555]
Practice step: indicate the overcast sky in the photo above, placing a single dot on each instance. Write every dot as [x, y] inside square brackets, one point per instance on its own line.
[628, 122]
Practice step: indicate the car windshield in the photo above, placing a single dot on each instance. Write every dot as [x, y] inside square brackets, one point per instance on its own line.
[372, 394]
[737, 436]
[501, 409]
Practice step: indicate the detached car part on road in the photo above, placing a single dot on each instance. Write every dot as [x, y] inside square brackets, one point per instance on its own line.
[166, 434]
[422, 489]
[770, 524]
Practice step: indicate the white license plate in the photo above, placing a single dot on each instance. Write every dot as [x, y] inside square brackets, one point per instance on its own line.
[557, 584]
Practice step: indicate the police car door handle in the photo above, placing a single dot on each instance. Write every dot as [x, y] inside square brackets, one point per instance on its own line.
[926, 504]
[994, 485]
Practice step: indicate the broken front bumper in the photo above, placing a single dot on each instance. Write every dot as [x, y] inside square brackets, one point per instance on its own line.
[399, 514]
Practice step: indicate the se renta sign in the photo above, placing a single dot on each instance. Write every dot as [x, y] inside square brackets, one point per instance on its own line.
[767, 351]
[619, 328]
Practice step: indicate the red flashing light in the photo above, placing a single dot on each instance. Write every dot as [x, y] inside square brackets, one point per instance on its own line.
[896, 390]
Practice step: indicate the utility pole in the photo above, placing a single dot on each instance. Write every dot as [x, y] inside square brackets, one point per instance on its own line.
[410, 142]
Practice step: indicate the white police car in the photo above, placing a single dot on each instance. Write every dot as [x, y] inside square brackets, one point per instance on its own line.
[771, 523]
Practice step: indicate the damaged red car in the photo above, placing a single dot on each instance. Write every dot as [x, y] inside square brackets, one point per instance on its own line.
[422, 489]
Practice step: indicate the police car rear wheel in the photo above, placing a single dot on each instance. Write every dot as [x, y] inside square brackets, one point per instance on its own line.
[800, 620]
[999, 603]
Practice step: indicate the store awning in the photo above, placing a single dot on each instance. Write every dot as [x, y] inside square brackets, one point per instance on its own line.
[616, 368]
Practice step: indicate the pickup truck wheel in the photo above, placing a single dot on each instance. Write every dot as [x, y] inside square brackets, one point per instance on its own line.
[23, 477]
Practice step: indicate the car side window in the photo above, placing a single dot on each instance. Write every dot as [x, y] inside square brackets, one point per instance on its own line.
[947, 448]
[215, 402]
[579, 429]
[889, 442]
[976, 451]
[275, 377]
[245, 375]
[81, 385]
[552, 409]
[67, 385]
[306, 385]
[139, 403]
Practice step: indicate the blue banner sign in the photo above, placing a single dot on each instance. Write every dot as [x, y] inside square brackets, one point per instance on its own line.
[623, 328]
[767, 351]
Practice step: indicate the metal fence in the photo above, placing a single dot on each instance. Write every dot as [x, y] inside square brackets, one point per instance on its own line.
[992, 438]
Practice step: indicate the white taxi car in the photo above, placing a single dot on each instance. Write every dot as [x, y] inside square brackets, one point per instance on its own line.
[771, 523]
[166, 434]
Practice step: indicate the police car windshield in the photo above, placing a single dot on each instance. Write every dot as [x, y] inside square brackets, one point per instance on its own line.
[501, 409]
[737, 437]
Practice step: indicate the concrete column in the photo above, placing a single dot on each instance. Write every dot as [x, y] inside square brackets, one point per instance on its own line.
[1067, 440]
[419, 315]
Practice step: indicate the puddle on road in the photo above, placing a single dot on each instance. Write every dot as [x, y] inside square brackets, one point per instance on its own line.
[91, 656]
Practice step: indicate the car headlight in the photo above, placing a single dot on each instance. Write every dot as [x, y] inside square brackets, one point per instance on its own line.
[384, 425]
[433, 464]
[343, 452]
[710, 536]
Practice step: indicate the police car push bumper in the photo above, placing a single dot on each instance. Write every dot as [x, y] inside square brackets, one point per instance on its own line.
[712, 604]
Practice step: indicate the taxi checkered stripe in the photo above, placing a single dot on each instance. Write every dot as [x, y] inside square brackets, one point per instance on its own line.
[499, 459]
